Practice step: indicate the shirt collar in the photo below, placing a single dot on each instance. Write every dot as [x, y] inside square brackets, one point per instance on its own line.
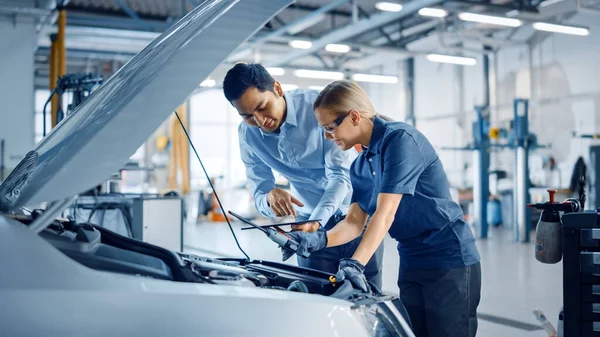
[291, 112]
[290, 117]
[379, 126]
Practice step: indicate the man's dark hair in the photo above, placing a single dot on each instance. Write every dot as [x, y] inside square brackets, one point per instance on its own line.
[243, 76]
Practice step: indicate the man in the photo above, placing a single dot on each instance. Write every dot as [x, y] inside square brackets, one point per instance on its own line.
[280, 133]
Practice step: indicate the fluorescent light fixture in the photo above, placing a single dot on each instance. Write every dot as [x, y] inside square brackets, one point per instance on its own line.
[337, 48]
[318, 74]
[276, 71]
[388, 6]
[316, 87]
[489, 19]
[208, 83]
[287, 87]
[433, 12]
[465, 61]
[300, 44]
[374, 78]
[554, 28]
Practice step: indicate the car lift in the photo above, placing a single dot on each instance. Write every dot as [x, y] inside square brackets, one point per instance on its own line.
[521, 141]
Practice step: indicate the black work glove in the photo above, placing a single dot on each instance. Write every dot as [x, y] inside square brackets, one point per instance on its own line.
[308, 242]
[353, 271]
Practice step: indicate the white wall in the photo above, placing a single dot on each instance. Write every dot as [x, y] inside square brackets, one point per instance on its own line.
[444, 98]
[389, 99]
[560, 77]
[17, 43]
[444, 107]
[213, 129]
[562, 82]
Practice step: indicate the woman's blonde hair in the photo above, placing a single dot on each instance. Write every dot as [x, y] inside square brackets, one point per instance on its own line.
[342, 96]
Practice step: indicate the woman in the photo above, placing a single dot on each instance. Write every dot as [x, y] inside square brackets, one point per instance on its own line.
[399, 182]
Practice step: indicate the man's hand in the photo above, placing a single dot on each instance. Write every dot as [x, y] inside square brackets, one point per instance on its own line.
[353, 271]
[281, 202]
[307, 227]
[308, 242]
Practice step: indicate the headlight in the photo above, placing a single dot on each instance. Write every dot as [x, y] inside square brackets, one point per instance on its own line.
[383, 320]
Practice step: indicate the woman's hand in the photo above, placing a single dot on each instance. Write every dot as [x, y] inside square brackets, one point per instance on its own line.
[308, 242]
[353, 271]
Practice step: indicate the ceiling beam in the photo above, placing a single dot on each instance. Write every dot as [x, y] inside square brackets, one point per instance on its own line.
[406, 32]
[355, 29]
[519, 5]
[127, 9]
[307, 8]
[380, 29]
[403, 42]
[292, 26]
[94, 20]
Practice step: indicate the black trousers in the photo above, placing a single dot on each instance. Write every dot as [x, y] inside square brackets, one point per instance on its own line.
[442, 303]
[328, 259]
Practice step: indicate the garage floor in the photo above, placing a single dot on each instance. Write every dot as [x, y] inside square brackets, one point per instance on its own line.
[513, 284]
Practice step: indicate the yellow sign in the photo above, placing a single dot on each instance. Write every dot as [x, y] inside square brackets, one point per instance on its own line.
[161, 142]
[494, 133]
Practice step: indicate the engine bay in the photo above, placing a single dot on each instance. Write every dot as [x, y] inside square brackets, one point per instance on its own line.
[101, 249]
[262, 274]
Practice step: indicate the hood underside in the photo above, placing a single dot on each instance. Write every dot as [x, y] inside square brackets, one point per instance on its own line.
[96, 140]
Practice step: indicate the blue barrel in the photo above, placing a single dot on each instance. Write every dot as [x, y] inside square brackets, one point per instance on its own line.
[494, 212]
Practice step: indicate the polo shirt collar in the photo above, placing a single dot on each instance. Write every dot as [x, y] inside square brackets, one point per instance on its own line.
[379, 126]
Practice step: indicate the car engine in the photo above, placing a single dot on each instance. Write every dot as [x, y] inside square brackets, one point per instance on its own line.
[101, 249]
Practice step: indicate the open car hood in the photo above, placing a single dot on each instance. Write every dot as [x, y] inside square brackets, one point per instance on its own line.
[109, 126]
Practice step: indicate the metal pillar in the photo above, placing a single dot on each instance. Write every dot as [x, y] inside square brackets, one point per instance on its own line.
[481, 128]
[61, 55]
[62, 51]
[53, 60]
[58, 64]
[486, 77]
[481, 186]
[521, 214]
[410, 91]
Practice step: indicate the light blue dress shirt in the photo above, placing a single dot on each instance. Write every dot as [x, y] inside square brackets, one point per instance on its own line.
[318, 170]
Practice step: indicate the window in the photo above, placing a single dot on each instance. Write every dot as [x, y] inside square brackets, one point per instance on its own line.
[41, 96]
[213, 129]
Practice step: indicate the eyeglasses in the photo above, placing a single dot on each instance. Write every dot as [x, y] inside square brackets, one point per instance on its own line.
[330, 128]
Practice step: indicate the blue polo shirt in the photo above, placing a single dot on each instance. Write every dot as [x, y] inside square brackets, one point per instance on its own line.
[428, 225]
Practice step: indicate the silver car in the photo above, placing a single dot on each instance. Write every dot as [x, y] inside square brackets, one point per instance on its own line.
[62, 278]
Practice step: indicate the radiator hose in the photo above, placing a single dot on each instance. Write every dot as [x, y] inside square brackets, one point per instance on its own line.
[298, 286]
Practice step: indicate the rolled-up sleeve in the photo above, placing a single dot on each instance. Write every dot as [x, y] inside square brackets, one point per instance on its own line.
[260, 176]
[403, 164]
[337, 166]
